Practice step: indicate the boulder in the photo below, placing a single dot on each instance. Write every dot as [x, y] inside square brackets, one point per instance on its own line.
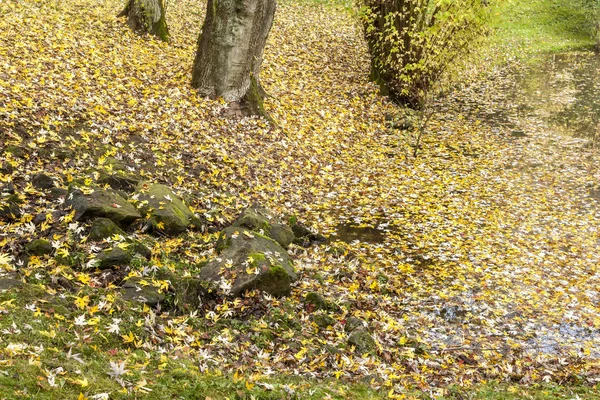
[120, 181]
[103, 228]
[112, 258]
[42, 182]
[166, 211]
[103, 203]
[140, 248]
[353, 323]
[38, 247]
[249, 260]
[56, 193]
[190, 293]
[136, 289]
[362, 341]
[259, 219]
[323, 321]
[305, 237]
[314, 301]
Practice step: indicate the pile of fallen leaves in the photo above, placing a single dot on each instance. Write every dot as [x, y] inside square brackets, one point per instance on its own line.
[486, 262]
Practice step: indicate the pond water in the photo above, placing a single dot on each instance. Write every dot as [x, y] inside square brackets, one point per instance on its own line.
[564, 89]
[349, 233]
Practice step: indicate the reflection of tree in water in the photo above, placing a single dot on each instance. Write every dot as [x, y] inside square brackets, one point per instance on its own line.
[567, 86]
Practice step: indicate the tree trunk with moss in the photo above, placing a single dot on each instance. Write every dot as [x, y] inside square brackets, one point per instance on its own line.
[230, 52]
[147, 16]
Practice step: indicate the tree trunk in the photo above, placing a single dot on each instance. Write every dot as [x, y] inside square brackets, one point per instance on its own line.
[230, 52]
[147, 16]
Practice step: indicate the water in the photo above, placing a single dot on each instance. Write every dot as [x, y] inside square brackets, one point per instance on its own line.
[349, 233]
[564, 89]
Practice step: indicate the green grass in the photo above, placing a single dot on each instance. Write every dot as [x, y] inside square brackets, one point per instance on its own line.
[532, 26]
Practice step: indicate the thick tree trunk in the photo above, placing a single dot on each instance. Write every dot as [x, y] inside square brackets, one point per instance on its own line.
[230, 52]
[147, 16]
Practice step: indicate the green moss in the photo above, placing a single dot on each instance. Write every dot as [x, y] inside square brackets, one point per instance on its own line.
[257, 258]
[315, 300]
[253, 103]
[323, 321]
[276, 281]
[362, 341]
[16, 151]
[104, 228]
[38, 247]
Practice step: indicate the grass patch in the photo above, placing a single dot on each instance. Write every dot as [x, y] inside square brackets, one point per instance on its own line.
[542, 26]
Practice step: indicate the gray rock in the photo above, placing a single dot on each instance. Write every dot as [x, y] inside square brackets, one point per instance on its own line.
[141, 249]
[315, 301]
[165, 208]
[323, 321]
[259, 219]
[134, 290]
[56, 193]
[103, 228]
[42, 182]
[112, 258]
[362, 341]
[353, 323]
[103, 203]
[248, 260]
[120, 181]
[305, 237]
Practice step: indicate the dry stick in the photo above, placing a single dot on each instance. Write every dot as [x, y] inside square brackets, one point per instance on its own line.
[422, 124]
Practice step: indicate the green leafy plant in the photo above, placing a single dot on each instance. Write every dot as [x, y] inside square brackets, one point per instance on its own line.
[413, 42]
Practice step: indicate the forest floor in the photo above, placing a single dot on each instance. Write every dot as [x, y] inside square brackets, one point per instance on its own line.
[474, 265]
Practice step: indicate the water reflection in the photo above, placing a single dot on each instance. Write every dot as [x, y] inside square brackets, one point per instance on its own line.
[564, 89]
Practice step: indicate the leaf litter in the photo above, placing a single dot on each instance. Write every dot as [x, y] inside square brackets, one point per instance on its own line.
[487, 267]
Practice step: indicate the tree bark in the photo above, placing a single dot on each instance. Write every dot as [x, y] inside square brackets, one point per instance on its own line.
[147, 16]
[230, 52]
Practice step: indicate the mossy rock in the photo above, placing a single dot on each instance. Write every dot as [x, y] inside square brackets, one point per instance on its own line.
[9, 281]
[275, 281]
[305, 237]
[190, 293]
[250, 261]
[119, 181]
[38, 247]
[315, 301]
[353, 323]
[42, 182]
[104, 228]
[282, 234]
[112, 258]
[113, 164]
[259, 219]
[56, 193]
[136, 247]
[103, 203]
[134, 289]
[323, 321]
[165, 209]
[6, 168]
[362, 341]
